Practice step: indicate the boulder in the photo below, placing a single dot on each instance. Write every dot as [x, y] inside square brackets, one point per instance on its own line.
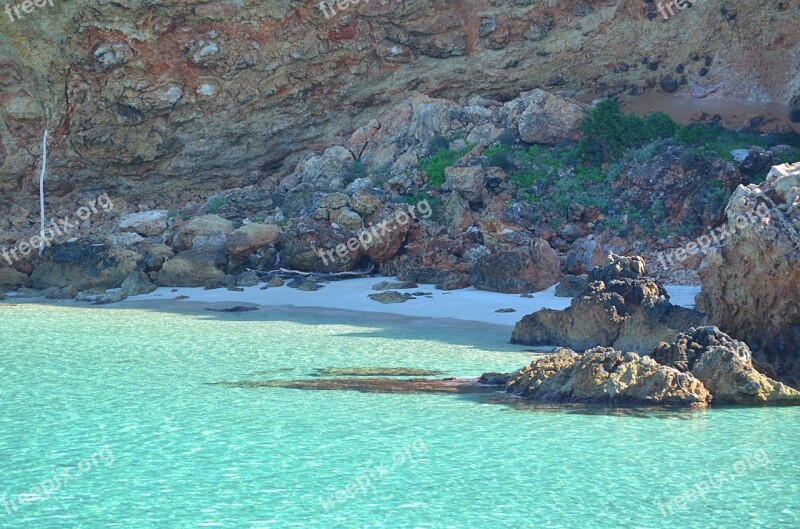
[751, 285]
[204, 234]
[249, 238]
[390, 296]
[724, 366]
[311, 246]
[11, 279]
[156, 256]
[517, 271]
[469, 182]
[606, 376]
[394, 285]
[620, 307]
[84, 264]
[190, 269]
[549, 118]
[145, 223]
[329, 172]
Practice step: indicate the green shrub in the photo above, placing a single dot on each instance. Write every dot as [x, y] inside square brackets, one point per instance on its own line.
[434, 167]
[216, 203]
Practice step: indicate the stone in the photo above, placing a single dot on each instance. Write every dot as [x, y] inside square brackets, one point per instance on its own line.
[145, 223]
[390, 296]
[514, 272]
[249, 278]
[606, 376]
[549, 119]
[750, 286]
[11, 279]
[190, 269]
[453, 281]
[620, 307]
[311, 246]
[204, 234]
[724, 366]
[275, 281]
[84, 264]
[249, 238]
[394, 285]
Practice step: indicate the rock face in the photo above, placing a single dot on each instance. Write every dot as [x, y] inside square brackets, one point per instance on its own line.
[620, 307]
[724, 366]
[243, 85]
[751, 286]
[605, 376]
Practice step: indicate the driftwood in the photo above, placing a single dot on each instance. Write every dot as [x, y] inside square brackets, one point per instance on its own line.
[285, 273]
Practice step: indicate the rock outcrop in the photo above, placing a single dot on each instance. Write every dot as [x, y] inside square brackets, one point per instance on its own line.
[619, 307]
[606, 376]
[724, 366]
[751, 285]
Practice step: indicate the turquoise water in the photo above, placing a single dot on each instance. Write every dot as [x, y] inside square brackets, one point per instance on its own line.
[121, 401]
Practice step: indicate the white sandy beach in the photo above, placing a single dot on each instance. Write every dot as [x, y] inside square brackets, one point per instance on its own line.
[467, 304]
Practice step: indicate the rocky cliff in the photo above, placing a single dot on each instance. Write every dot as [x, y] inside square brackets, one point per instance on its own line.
[161, 99]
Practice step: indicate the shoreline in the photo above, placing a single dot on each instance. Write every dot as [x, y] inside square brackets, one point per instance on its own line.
[465, 305]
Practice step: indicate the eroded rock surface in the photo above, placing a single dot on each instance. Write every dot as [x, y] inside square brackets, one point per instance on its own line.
[606, 376]
[751, 286]
[619, 307]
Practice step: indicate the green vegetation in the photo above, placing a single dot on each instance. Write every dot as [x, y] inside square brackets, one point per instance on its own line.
[357, 170]
[215, 204]
[435, 165]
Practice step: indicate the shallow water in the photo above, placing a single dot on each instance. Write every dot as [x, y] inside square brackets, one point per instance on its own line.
[131, 388]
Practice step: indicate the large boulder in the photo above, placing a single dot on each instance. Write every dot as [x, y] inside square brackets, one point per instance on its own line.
[329, 172]
[751, 285]
[606, 376]
[145, 223]
[314, 246]
[620, 307]
[84, 264]
[251, 237]
[204, 234]
[725, 367]
[549, 118]
[11, 279]
[190, 269]
[518, 271]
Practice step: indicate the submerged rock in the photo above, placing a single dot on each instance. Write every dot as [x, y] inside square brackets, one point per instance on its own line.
[372, 385]
[374, 372]
[606, 376]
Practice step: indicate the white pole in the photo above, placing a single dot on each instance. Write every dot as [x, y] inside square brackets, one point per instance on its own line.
[41, 191]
